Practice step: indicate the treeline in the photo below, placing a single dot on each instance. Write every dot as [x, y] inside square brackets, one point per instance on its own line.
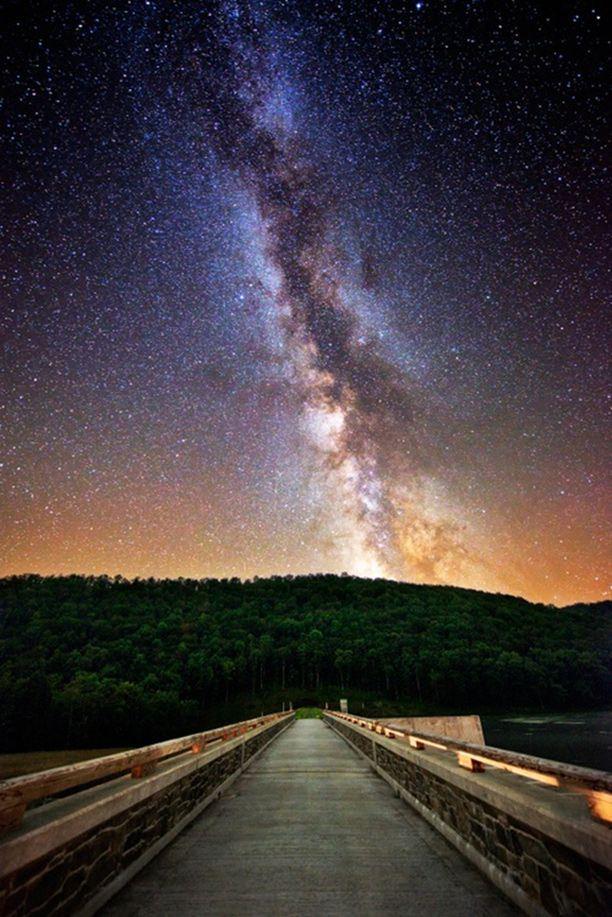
[99, 661]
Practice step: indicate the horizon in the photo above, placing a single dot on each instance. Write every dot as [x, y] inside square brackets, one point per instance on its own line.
[256, 577]
[291, 288]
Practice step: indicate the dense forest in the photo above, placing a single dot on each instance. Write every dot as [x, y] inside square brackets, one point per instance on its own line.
[99, 661]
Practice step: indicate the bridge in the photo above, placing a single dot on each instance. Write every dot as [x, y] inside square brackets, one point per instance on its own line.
[284, 816]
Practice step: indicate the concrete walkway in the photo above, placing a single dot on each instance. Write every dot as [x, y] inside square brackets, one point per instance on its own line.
[309, 829]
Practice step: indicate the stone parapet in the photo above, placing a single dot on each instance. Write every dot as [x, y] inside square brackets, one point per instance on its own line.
[72, 854]
[538, 843]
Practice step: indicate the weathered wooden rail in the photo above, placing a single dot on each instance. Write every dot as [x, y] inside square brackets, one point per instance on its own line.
[17, 793]
[594, 785]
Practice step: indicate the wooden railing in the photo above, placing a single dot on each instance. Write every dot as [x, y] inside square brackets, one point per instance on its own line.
[594, 785]
[18, 792]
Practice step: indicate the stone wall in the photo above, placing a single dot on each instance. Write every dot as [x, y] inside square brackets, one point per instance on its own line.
[364, 743]
[80, 874]
[481, 814]
[465, 728]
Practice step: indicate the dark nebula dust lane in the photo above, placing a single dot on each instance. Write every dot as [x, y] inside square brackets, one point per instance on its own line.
[350, 397]
[304, 287]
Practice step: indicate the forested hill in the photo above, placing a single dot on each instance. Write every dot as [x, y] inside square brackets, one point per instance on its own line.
[98, 661]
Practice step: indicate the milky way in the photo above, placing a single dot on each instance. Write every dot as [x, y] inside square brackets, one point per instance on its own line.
[352, 399]
[301, 287]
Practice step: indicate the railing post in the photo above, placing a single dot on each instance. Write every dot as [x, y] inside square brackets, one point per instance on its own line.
[11, 815]
[143, 770]
[471, 764]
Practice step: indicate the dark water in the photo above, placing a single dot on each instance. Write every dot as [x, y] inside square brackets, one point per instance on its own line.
[577, 738]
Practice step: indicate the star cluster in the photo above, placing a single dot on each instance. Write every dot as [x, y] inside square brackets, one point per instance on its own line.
[306, 286]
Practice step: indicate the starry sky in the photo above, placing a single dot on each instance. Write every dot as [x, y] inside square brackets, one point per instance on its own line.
[306, 286]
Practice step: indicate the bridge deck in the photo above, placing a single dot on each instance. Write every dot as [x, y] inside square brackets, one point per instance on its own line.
[309, 829]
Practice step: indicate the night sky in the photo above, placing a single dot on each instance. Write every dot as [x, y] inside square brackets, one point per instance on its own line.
[306, 286]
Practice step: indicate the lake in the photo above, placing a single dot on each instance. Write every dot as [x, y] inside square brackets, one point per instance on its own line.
[577, 738]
